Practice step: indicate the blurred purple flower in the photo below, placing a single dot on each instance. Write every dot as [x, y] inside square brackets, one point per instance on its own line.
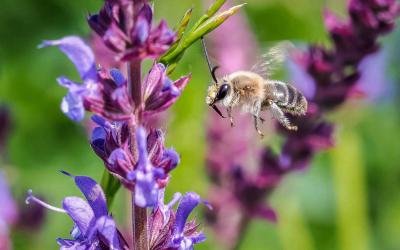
[8, 213]
[374, 82]
[93, 227]
[301, 79]
[170, 229]
[5, 128]
[32, 218]
[131, 35]
[334, 74]
[145, 173]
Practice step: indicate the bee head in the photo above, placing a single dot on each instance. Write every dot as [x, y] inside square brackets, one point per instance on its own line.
[212, 94]
[216, 92]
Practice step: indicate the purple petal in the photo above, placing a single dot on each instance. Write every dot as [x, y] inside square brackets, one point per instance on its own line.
[67, 244]
[266, 213]
[301, 79]
[143, 161]
[72, 103]
[162, 101]
[146, 12]
[80, 212]
[198, 238]
[8, 208]
[146, 189]
[106, 227]
[171, 159]
[153, 81]
[72, 106]
[99, 120]
[188, 203]
[142, 28]
[374, 81]
[98, 133]
[93, 193]
[67, 83]
[79, 53]
[119, 159]
[141, 31]
[117, 76]
[98, 142]
[169, 86]
[165, 209]
[114, 38]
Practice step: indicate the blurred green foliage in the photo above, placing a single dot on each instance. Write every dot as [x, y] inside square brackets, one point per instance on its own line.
[348, 199]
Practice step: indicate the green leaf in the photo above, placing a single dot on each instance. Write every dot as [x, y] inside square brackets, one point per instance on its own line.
[181, 28]
[211, 24]
[210, 12]
[110, 185]
[173, 56]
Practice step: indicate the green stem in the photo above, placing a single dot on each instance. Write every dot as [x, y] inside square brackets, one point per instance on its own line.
[243, 226]
[110, 185]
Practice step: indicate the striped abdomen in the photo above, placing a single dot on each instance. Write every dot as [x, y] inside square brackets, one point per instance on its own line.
[287, 97]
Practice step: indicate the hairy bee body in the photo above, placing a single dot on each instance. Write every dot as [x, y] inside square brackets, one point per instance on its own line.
[253, 93]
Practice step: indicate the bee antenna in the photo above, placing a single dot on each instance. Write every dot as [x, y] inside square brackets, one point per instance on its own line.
[210, 67]
[213, 73]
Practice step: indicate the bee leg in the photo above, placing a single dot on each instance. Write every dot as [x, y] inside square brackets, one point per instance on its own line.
[278, 114]
[256, 118]
[229, 111]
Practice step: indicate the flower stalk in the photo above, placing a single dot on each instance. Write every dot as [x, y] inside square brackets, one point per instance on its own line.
[139, 214]
[140, 226]
[135, 85]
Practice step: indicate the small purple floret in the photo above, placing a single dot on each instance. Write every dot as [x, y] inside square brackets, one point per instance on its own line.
[132, 38]
[93, 227]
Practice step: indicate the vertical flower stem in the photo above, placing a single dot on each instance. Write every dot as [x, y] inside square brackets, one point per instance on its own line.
[139, 214]
[135, 85]
[243, 226]
[140, 224]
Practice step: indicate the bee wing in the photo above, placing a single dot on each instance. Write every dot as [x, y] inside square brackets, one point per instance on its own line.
[273, 59]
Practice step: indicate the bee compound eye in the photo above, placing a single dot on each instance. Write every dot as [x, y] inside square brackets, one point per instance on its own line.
[223, 91]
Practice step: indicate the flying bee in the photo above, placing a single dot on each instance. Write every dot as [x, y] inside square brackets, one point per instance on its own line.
[253, 91]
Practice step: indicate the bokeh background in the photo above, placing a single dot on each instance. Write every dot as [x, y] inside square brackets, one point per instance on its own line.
[348, 199]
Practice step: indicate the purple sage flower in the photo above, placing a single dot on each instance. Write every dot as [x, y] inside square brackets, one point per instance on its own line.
[82, 57]
[145, 173]
[93, 227]
[159, 91]
[105, 92]
[170, 229]
[126, 28]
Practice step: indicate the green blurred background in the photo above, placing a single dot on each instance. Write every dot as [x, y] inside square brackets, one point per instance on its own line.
[348, 199]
